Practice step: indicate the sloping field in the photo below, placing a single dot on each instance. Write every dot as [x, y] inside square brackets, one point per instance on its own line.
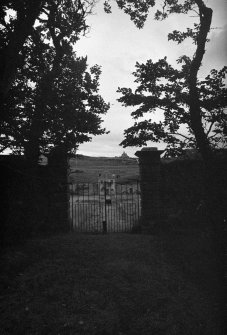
[84, 169]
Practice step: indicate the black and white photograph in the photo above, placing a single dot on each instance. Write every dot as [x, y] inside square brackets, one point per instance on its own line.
[113, 167]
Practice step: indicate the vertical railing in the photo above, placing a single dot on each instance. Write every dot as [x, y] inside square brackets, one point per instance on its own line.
[91, 212]
[71, 203]
[104, 227]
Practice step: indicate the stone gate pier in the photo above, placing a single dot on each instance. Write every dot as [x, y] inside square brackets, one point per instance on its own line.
[150, 184]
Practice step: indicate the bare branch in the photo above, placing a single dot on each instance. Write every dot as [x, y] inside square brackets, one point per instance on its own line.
[210, 127]
[179, 134]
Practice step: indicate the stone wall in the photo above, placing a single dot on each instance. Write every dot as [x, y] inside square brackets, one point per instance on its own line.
[34, 199]
[176, 191]
[182, 186]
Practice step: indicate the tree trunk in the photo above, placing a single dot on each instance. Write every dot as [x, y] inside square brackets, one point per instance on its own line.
[32, 150]
[194, 102]
[213, 202]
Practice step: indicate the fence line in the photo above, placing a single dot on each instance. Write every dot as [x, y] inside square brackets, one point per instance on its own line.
[104, 207]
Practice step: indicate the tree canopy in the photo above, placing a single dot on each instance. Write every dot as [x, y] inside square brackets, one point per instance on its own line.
[53, 98]
[184, 101]
[45, 110]
[62, 20]
[165, 89]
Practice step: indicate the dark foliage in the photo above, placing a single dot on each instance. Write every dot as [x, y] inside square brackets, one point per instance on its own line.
[62, 20]
[165, 89]
[54, 98]
[192, 110]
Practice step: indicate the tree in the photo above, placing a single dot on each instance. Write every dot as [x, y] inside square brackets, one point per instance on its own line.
[39, 119]
[185, 100]
[165, 89]
[53, 100]
[14, 32]
[138, 11]
[60, 19]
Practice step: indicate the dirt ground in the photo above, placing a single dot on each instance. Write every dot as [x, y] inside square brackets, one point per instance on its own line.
[104, 284]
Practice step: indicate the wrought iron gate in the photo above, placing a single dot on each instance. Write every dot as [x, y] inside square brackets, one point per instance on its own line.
[104, 207]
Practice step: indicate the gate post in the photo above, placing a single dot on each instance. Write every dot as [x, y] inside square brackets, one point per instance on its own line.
[58, 190]
[150, 183]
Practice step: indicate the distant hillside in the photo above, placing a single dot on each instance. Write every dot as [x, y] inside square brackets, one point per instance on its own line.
[86, 169]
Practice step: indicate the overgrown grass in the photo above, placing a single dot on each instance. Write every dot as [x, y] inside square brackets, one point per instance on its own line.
[103, 284]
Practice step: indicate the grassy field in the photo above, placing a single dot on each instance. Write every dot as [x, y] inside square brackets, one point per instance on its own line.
[119, 284]
[86, 169]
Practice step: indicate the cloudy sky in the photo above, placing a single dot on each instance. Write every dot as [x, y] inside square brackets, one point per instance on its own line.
[116, 44]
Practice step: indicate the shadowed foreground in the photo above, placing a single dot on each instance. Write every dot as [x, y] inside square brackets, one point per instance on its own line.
[103, 284]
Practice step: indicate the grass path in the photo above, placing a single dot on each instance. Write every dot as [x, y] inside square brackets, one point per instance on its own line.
[94, 284]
